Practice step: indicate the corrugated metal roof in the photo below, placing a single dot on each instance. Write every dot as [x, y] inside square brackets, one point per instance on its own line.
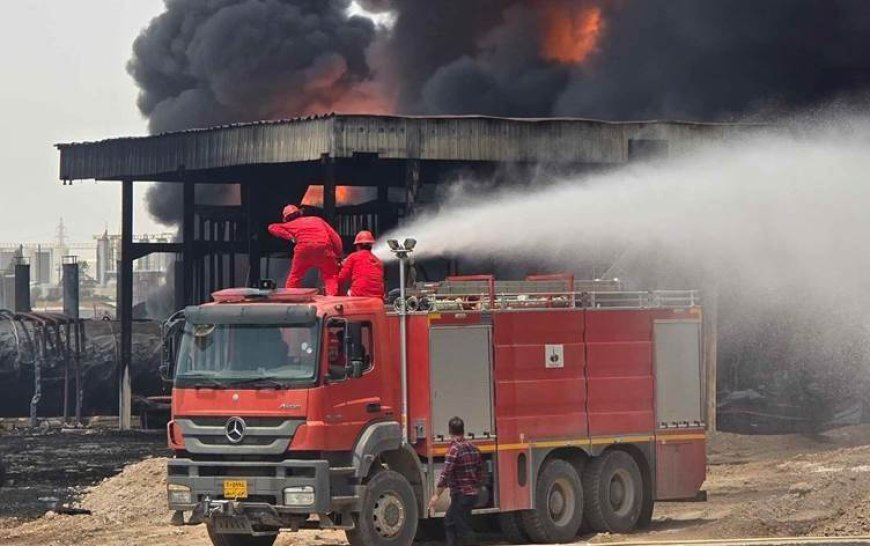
[435, 138]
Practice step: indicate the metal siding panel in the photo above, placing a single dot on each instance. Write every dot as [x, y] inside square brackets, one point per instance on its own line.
[461, 139]
[481, 128]
[340, 138]
[267, 146]
[619, 367]
[533, 401]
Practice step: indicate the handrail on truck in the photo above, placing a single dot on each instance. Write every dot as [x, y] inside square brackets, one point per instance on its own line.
[490, 279]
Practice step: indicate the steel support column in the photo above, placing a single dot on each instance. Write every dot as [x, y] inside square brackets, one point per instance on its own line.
[711, 332]
[22, 286]
[328, 164]
[250, 206]
[412, 186]
[188, 236]
[125, 306]
[70, 268]
[80, 391]
[71, 304]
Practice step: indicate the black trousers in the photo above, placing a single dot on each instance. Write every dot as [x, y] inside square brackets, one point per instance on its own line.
[457, 522]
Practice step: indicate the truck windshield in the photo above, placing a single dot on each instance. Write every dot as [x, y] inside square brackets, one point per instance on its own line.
[254, 355]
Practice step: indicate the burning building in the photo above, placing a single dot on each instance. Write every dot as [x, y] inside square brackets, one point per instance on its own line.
[388, 166]
[362, 171]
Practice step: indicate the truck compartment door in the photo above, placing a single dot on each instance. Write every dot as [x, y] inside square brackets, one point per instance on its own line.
[461, 379]
[678, 373]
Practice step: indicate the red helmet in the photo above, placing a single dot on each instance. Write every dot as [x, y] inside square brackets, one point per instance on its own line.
[364, 237]
[290, 210]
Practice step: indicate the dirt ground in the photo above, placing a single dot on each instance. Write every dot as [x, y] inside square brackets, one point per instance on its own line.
[757, 486]
[48, 468]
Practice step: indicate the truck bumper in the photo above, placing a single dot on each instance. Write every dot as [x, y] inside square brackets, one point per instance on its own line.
[266, 482]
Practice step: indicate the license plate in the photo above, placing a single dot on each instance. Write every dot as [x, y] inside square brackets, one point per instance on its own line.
[235, 489]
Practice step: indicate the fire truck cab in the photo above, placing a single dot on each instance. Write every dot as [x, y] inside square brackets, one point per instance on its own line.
[289, 412]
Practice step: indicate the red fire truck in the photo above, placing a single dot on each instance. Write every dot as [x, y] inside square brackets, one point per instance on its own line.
[292, 410]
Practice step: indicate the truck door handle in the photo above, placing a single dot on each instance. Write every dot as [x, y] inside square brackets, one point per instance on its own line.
[373, 408]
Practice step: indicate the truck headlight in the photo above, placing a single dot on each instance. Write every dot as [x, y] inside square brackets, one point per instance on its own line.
[178, 494]
[299, 496]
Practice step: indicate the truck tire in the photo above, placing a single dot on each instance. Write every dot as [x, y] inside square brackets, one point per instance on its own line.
[613, 488]
[512, 529]
[558, 510]
[239, 540]
[646, 512]
[389, 512]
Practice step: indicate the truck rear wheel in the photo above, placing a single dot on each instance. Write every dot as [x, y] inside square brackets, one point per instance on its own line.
[558, 510]
[614, 494]
[389, 512]
[646, 512]
[239, 540]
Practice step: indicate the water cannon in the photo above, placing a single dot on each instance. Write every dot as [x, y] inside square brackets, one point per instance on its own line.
[403, 250]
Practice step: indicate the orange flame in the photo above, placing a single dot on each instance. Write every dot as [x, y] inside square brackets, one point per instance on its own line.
[354, 102]
[570, 33]
[344, 196]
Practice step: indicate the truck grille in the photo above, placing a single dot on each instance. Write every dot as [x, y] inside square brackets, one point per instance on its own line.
[212, 421]
[261, 435]
[230, 470]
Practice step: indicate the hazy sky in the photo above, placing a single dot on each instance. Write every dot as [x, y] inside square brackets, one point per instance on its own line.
[64, 80]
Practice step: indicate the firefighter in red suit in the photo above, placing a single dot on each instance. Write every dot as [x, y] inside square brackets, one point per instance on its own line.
[363, 270]
[318, 246]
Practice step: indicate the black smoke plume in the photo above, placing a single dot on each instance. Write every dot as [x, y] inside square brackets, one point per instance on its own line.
[206, 62]
[654, 58]
[214, 61]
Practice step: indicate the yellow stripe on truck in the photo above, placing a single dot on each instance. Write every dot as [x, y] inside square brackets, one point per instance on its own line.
[663, 438]
[583, 442]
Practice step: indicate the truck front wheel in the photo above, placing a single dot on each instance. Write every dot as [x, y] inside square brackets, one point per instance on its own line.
[239, 540]
[388, 515]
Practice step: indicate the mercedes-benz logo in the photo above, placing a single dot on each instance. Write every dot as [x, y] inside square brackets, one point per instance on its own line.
[235, 429]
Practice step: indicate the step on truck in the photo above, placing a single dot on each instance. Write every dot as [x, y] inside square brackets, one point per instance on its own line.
[292, 410]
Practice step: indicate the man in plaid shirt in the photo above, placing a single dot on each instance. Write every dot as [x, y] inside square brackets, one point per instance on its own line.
[463, 475]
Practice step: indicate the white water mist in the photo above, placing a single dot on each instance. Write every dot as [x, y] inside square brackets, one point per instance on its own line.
[776, 222]
[789, 207]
